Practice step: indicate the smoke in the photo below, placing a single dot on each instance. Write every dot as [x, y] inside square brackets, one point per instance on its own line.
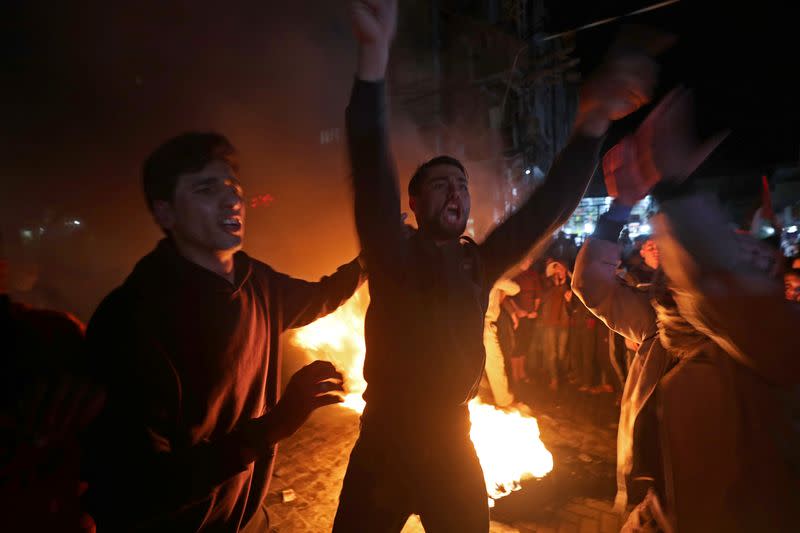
[102, 84]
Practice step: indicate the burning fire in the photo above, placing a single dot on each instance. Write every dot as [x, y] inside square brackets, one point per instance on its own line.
[508, 447]
[339, 338]
[506, 441]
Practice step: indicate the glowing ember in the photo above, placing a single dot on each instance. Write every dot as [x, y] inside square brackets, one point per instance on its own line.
[506, 441]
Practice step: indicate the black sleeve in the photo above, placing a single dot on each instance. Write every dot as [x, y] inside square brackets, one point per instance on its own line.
[376, 194]
[130, 449]
[303, 302]
[548, 207]
[608, 229]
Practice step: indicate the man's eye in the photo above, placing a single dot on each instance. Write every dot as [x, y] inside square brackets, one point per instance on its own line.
[205, 190]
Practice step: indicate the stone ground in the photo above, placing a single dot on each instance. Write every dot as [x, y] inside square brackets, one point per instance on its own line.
[576, 497]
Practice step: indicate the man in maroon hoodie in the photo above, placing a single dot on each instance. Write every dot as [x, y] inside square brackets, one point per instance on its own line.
[188, 347]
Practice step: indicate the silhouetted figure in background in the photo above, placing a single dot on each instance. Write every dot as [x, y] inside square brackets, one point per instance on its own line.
[639, 267]
[524, 311]
[554, 322]
[45, 403]
[589, 341]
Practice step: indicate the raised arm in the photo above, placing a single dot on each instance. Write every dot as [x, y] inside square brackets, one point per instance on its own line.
[631, 169]
[716, 284]
[721, 289]
[303, 302]
[376, 194]
[546, 209]
[622, 308]
[622, 84]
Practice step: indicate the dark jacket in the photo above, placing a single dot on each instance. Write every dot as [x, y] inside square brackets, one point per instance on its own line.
[580, 317]
[530, 290]
[554, 310]
[40, 350]
[187, 357]
[35, 345]
[424, 325]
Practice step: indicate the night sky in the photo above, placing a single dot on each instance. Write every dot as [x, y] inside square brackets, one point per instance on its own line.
[91, 87]
[739, 59]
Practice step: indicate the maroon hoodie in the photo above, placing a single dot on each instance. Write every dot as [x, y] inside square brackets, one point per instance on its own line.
[187, 358]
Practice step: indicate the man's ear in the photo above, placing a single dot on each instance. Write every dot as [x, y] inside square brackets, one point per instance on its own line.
[164, 213]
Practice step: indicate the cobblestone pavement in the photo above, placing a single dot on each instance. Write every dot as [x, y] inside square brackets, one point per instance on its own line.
[312, 463]
[574, 498]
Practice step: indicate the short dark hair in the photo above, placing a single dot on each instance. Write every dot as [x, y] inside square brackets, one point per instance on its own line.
[188, 152]
[415, 184]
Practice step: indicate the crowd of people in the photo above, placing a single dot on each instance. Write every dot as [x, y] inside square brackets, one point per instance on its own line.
[165, 413]
[545, 336]
[548, 337]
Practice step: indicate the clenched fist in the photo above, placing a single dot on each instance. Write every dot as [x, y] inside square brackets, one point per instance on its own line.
[664, 147]
[623, 83]
[374, 25]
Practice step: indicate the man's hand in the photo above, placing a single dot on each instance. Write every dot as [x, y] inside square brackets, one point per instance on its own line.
[374, 25]
[664, 146]
[309, 389]
[623, 83]
[533, 314]
[667, 141]
[628, 167]
[408, 230]
[514, 320]
[620, 87]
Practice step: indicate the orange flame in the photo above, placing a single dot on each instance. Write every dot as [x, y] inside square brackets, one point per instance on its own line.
[507, 441]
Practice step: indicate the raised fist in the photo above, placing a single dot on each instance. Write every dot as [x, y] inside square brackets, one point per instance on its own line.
[664, 147]
[623, 83]
[374, 21]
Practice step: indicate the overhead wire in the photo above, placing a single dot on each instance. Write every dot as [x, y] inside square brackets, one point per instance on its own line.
[601, 22]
